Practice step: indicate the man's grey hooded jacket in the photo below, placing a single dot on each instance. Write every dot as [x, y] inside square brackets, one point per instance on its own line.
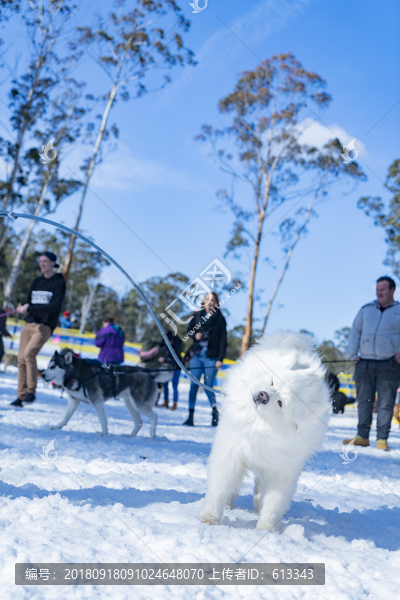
[375, 334]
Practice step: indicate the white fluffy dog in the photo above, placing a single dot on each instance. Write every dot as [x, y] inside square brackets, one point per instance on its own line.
[273, 418]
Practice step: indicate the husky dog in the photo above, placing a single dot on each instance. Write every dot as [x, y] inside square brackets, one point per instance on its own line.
[273, 419]
[93, 383]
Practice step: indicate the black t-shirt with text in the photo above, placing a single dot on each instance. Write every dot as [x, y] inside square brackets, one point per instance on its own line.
[45, 299]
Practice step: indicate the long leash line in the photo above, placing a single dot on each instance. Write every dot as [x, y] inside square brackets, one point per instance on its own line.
[13, 215]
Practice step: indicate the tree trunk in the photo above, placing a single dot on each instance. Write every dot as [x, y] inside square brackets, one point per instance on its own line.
[287, 262]
[248, 330]
[70, 252]
[10, 283]
[87, 305]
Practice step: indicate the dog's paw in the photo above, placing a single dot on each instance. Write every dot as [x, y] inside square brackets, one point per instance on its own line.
[210, 519]
[56, 426]
[268, 525]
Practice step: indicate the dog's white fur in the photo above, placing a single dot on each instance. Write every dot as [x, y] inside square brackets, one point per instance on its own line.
[272, 441]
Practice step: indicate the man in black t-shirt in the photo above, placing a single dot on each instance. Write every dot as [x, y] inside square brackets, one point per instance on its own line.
[42, 310]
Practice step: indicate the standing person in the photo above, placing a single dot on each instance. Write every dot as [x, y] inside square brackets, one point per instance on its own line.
[176, 343]
[111, 340]
[65, 321]
[152, 357]
[374, 346]
[42, 310]
[3, 329]
[207, 351]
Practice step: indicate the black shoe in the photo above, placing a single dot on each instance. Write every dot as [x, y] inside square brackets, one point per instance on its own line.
[30, 398]
[17, 402]
[189, 420]
[215, 416]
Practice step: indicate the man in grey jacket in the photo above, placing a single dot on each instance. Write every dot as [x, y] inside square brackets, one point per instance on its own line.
[374, 345]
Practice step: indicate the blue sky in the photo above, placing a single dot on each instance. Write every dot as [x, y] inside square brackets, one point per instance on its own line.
[162, 184]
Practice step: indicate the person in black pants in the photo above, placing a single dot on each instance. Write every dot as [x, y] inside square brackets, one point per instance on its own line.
[3, 330]
[176, 343]
[374, 346]
[208, 327]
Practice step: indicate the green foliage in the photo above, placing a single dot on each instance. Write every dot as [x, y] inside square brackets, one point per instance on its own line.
[161, 291]
[334, 355]
[387, 216]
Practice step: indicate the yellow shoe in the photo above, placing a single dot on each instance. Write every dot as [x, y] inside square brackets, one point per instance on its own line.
[174, 406]
[357, 441]
[382, 445]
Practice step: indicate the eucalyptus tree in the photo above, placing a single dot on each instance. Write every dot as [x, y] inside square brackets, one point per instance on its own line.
[131, 42]
[386, 214]
[29, 96]
[261, 147]
[46, 188]
[7, 8]
[293, 228]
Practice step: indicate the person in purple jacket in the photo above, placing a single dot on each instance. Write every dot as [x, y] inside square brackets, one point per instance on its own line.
[111, 340]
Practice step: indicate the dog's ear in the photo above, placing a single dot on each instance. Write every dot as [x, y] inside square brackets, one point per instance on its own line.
[68, 356]
[56, 353]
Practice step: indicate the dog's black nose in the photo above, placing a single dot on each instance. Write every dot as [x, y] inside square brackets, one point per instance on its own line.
[262, 398]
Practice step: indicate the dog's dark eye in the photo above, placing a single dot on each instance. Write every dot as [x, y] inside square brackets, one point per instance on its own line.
[52, 367]
[280, 403]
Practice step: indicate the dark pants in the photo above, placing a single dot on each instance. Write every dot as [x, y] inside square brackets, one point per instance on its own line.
[1, 347]
[382, 376]
[200, 364]
[175, 381]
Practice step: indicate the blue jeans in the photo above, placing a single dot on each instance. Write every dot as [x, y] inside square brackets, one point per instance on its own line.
[382, 376]
[201, 364]
[175, 381]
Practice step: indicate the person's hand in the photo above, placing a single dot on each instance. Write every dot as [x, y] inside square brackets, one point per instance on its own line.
[397, 357]
[198, 336]
[218, 364]
[356, 359]
[161, 359]
[22, 309]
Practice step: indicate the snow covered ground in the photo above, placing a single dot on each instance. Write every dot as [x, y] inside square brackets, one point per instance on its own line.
[117, 499]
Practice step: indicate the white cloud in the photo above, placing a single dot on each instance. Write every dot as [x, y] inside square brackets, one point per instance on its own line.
[317, 134]
[267, 18]
[126, 172]
[122, 171]
[263, 20]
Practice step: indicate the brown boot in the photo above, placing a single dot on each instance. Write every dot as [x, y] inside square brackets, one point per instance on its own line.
[174, 406]
[382, 445]
[357, 441]
[165, 405]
